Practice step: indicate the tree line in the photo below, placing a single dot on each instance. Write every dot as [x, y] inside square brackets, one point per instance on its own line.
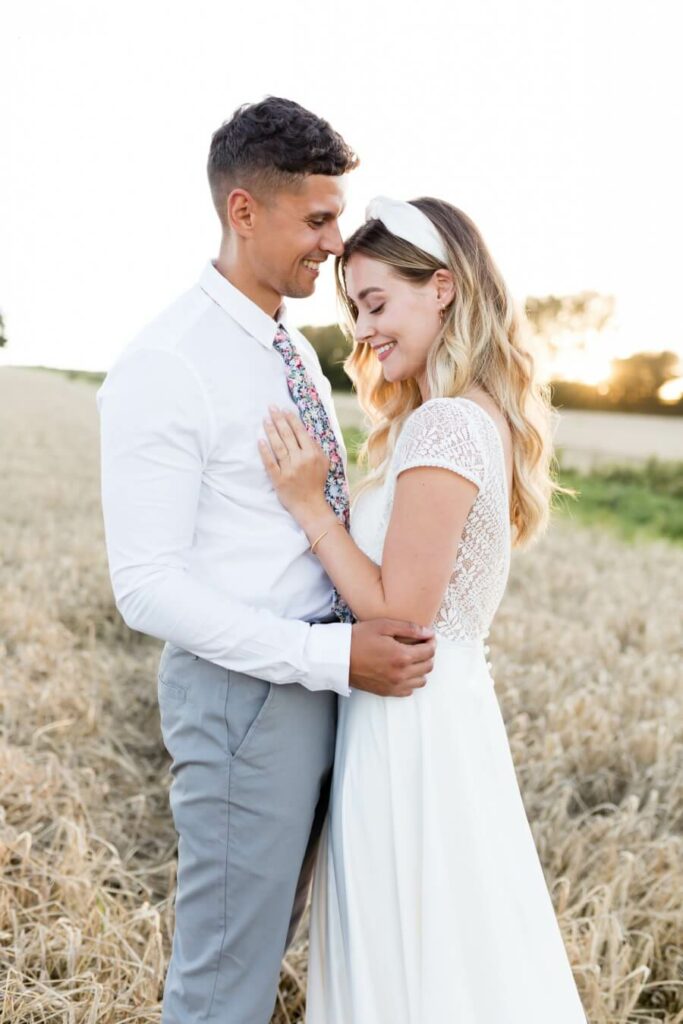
[633, 385]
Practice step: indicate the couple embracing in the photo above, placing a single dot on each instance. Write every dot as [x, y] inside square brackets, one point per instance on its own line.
[324, 688]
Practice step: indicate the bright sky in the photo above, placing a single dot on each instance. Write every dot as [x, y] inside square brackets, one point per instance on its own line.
[554, 123]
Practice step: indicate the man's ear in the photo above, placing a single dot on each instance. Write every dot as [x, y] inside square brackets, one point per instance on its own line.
[444, 283]
[240, 211]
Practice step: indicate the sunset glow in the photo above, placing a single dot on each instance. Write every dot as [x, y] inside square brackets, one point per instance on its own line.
[586, 357]
[672, 391]
[587, 360]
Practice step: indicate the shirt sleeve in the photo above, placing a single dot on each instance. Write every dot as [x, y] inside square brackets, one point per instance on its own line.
[442, 432]
[156, 436]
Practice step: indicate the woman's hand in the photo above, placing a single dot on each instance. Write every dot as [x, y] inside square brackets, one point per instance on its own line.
[296, 464]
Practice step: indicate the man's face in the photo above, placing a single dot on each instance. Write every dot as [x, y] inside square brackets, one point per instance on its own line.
[295, 232]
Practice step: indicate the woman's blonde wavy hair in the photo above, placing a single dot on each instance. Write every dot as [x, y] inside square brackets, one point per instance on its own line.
[479, 344]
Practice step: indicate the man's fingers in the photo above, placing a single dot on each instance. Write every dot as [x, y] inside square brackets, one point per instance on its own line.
[416, 671]
[406, 630]
[414, 662]
[407, 689]
[418, 662]
[417, 684]
[420, 654]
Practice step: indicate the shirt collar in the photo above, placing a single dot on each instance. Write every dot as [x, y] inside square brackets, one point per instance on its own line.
[241, 308]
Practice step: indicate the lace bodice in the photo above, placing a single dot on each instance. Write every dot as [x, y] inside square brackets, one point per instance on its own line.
[457, 434]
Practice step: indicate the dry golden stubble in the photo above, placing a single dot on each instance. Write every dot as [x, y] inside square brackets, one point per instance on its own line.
[587, 655]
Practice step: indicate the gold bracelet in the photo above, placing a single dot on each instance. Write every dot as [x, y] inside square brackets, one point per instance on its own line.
[317, 540]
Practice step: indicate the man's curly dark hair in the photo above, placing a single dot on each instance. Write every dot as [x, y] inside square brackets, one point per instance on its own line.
[270, 145]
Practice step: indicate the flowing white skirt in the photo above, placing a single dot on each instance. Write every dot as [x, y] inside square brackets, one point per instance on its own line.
[429, 901]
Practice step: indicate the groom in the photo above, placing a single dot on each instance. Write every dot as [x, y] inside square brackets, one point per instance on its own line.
[203, 556]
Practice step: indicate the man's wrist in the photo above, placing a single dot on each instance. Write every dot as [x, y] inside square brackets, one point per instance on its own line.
[329, 657]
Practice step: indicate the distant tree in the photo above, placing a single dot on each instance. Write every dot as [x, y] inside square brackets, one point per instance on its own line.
[640, 376]
[564, 323]
[634, 387]
[3, 339]
[572, 394]
[332, 348]
[554, 314]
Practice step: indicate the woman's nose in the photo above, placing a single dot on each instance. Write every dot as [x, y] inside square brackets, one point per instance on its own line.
[363, 331]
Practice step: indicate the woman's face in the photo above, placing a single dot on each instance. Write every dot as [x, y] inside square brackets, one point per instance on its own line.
[398, 319]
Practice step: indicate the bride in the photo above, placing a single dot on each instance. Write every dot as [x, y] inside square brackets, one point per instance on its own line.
[429, 901]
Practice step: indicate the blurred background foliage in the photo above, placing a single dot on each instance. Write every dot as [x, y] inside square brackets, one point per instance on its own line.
[569, 332]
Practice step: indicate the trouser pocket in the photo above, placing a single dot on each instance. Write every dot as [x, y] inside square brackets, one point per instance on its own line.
[246, 704]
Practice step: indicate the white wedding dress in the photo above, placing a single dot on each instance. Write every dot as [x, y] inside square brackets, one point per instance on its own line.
[429, 901]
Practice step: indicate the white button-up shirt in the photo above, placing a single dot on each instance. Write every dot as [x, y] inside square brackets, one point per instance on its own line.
[201, 552]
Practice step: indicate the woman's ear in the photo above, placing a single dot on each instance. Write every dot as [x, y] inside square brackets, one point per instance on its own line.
[444, 283]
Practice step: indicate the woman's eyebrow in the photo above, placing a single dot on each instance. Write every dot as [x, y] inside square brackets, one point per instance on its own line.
[366, 291]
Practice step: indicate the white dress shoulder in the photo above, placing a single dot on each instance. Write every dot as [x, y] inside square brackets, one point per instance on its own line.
[429, 901]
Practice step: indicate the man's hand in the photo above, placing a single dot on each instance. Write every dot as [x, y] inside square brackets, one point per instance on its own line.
[390, 658]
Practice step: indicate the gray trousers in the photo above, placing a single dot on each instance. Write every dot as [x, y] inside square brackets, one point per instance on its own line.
[251, 767]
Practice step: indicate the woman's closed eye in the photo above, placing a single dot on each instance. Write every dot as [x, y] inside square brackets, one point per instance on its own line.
[378, 309]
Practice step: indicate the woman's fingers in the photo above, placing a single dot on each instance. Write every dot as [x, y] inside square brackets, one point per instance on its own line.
[284, 428]
[270, 463]
[302, 465]
[277, 443]
[304, 439]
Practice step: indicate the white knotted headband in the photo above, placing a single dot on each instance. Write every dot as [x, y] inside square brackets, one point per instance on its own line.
[408, 222]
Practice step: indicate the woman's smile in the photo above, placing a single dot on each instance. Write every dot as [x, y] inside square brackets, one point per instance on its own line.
[385, 350]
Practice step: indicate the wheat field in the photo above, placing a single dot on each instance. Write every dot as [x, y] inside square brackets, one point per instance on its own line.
[587, 654]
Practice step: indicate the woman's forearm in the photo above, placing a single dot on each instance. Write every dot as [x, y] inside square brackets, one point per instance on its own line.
[357, 578]
[431, 505]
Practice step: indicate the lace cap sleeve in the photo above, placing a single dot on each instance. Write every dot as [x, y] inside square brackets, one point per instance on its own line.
[446, 433]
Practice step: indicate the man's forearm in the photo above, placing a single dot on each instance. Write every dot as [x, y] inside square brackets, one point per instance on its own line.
[169, 604]
[156, 434]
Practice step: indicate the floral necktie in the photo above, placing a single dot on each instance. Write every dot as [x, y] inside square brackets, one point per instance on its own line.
[314, 417]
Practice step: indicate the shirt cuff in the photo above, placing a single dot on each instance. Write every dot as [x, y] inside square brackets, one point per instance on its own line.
[328, 651]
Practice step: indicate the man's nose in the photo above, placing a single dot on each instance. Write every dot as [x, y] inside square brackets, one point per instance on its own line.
[333, 241]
